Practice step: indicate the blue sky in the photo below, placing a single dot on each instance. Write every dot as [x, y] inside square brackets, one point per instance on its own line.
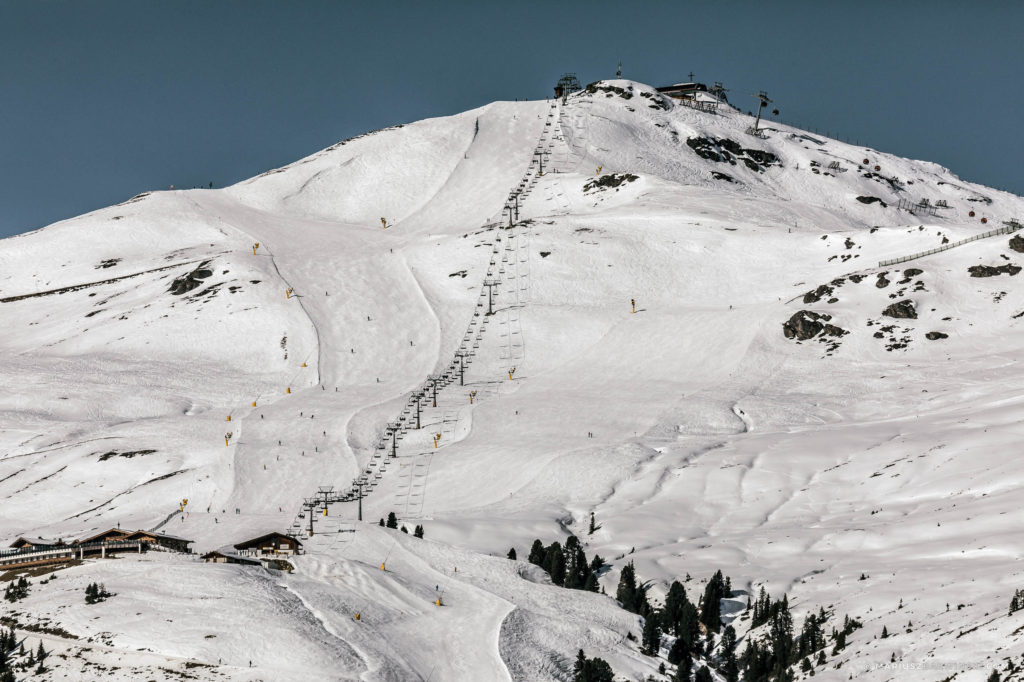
[102, 100]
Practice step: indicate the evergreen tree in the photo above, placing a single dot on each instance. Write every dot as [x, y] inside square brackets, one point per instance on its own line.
[1017, 601]
[885, 632]
[392, 520]
[703, 675]
[418, 533]
[591, 585]
[556, 561]
[651, 639]
[761, 609]
[689, 624]
[512, 553]
[591, 670]
[536, 553]
[678, 651]
[821, 657]
[593, 526]
[781, 638]
[672, 613]
[576, 568]
[41, 653]
[596, 564]
[994, 677]
[711, 615]
[627, 589]
[405, 530]
[685, 667]
[730, 666]
[382, 523]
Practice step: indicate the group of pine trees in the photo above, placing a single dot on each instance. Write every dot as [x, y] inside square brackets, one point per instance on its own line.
[10, 649]
[17, 589]
[1017, 601]
[682, 619]
[392, 522]
[96, 592]
[768, 658]
[566, 565]
[591, 669]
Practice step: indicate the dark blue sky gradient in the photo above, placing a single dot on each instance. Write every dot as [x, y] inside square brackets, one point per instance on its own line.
[102, 100]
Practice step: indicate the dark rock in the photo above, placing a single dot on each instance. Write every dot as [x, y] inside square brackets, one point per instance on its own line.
[934, 336]
[848, 243]
[594, 88]
[817, 294]
[724, 150]
[912, 272]
[902, 309]
[871, 200]
[613, 180]
[722, 176]
[191, 280]
[806, 325]
[992, 271]
[882, 281]
[879, 335]
[856, 279]
[1017, 244]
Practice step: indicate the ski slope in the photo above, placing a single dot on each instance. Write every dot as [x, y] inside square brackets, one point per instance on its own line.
[697, 433]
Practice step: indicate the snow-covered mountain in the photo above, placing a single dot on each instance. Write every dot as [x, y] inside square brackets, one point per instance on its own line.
[779, 406]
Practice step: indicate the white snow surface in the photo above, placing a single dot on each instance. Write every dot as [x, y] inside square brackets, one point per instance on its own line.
[717, 443]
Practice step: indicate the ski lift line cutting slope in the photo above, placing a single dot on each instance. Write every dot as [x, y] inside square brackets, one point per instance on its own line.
[368, 477]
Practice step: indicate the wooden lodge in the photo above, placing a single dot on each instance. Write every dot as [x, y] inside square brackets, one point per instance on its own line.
[270, 544]
[171, 542]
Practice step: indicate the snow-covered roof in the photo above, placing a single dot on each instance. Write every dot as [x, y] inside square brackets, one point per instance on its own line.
[160, 535]
[260, 538]
[36, 541]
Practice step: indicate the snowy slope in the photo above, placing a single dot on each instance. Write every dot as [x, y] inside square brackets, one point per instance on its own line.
[697, 433]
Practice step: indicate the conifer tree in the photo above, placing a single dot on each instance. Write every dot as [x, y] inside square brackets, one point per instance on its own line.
[512, 553]
[678, 651]
[672, 613]
[557, 564]
[703, 675]
[591, 670]
[651, 639]
[730, 666]
[711, 613]
[685, 667]
[392, 520]
[593, 526]
[418, 532]
[536, 553]
[627, 589]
